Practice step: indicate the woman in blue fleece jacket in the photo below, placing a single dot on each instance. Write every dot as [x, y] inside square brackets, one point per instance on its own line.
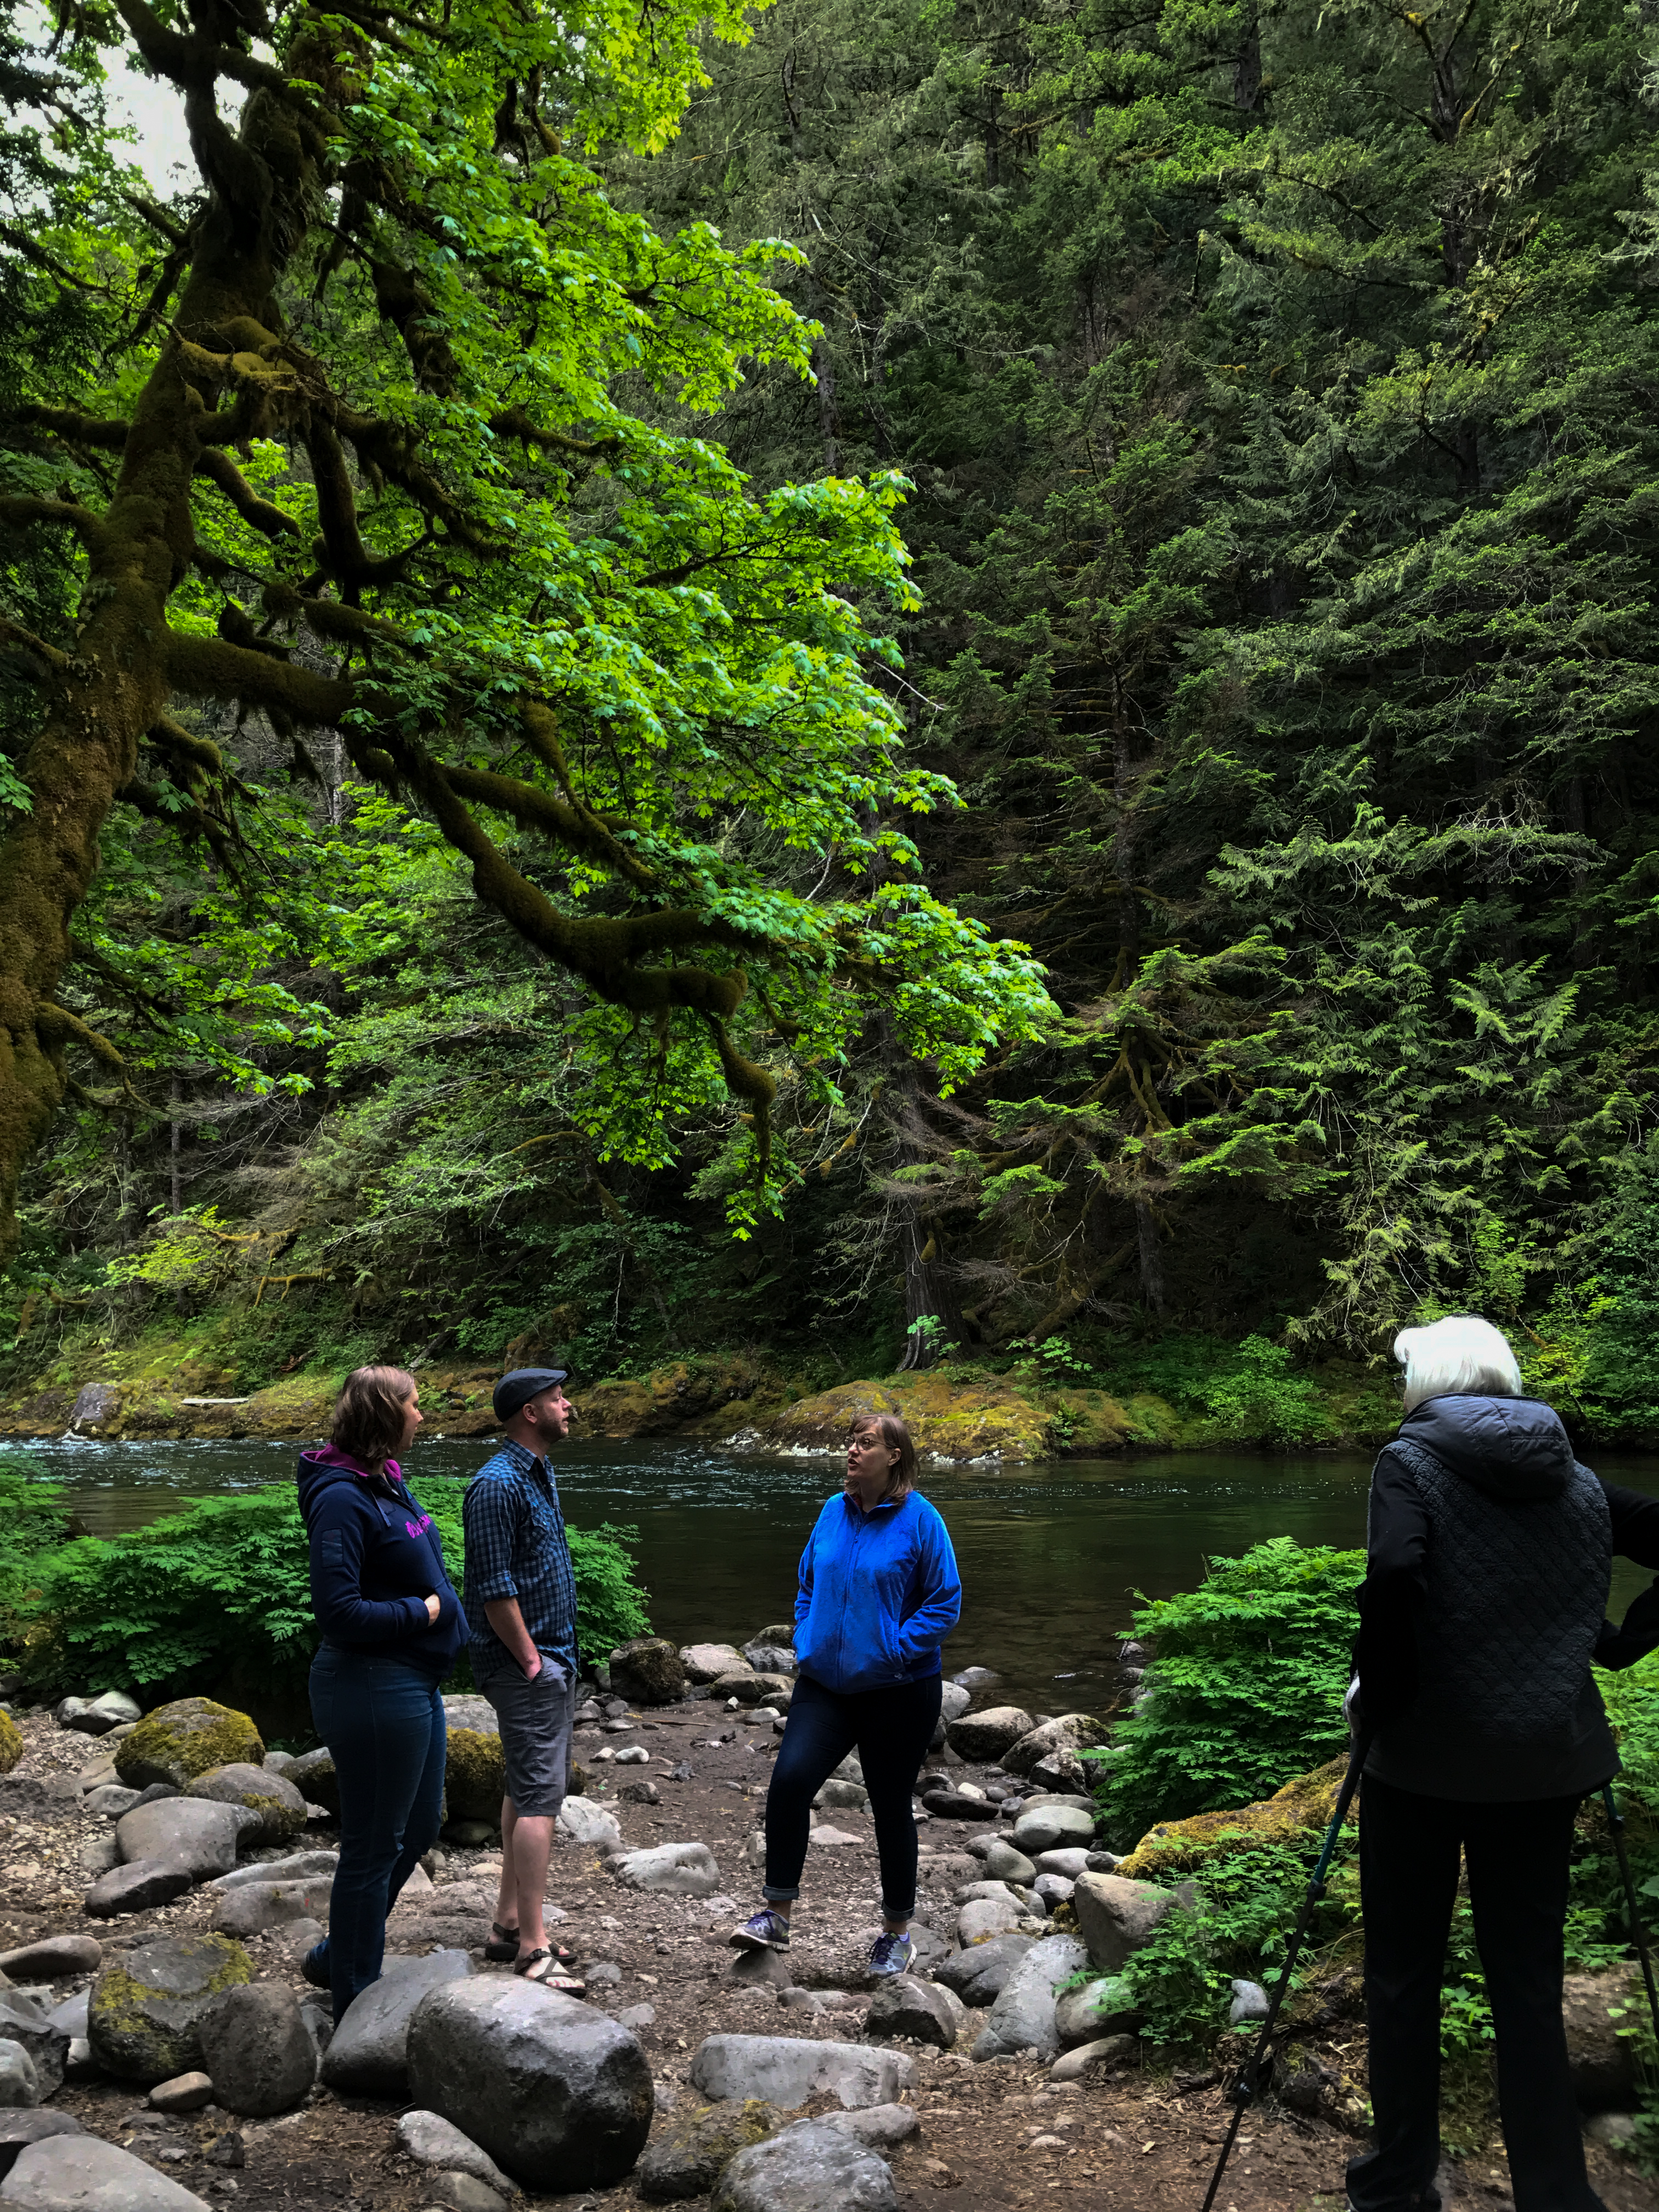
[391, 1625]
[878, 1595]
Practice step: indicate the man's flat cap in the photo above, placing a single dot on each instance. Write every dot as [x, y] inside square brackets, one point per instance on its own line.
[523, 1385]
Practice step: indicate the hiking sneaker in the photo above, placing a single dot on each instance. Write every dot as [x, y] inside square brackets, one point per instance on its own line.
[892, 1955]
[314, 1965]
[765, 1931]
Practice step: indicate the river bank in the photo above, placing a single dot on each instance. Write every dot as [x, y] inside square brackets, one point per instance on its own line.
[959, 1413]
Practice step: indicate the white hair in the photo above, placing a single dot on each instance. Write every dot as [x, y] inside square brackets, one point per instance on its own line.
[1460, 1356]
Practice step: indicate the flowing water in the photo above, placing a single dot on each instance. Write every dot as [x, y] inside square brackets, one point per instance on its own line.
[1052, 1554]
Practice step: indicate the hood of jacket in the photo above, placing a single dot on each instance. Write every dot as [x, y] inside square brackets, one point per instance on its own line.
[1514, 1449]
[321, 1468]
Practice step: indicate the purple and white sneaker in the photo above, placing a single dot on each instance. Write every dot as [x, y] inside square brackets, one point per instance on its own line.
[765, 1931]
[892, 1955]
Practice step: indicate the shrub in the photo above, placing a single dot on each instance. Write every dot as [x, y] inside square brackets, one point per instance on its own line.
[1249, 1392]
[34, 1519]
[1243, 1910]
[222, 1591]
[1246, 1691]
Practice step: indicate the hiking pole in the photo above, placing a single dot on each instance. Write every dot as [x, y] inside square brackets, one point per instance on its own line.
[1616, 1823]
[1249, 2079]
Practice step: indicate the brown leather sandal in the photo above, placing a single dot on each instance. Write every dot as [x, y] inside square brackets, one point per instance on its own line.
[541, 1967]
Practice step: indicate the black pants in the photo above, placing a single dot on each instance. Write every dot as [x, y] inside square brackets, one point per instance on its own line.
[890, 1729]
[1516, 1856]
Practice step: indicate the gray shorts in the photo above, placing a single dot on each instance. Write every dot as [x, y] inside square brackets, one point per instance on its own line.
[534, 1718]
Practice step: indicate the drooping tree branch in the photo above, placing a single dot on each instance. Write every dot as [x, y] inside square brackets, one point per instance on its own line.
[76, 429]
[20, 509]
[261, 514]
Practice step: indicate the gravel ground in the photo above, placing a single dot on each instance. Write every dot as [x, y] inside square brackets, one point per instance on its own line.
[990, 2136]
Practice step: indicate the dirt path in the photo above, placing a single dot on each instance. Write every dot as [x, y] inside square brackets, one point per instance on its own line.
[991, 2137]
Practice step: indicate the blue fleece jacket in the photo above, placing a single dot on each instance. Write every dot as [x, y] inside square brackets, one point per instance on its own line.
[879, 1592]
[374, 1557]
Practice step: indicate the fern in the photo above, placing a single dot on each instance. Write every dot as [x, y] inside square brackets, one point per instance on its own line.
[225, 1586]
[1246, 1692]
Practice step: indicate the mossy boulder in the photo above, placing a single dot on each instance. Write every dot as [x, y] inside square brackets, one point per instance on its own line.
[280, 1807]
[144, 2014]
[11, 1743]
[648, 1671]
[950, 1418]
[688, 1394]
[475, 1776]
[313, 1774]
[691, 2157]
[1300, 1807]
[191, 1736]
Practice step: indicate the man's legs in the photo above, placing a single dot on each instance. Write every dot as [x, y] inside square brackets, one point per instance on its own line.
[535, 1724]
[1408, 1854]
[821, 1729]
[895, 1729]
[1517, 1857]
[526, 1850]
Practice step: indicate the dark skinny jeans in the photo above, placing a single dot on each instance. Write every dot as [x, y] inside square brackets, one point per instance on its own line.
[383, 1722]
[1517, 1858]
[891, 1729]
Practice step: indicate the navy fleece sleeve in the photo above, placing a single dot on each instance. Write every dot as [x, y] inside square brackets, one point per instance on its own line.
[1396, 1581]
[1635, 1536]
[337, 1580]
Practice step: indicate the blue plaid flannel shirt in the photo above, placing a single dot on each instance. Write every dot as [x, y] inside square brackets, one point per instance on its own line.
[516, 1546]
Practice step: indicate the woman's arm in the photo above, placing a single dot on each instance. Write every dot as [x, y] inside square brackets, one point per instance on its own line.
[939, 1589]
[337, 1587]
[444, 1604]
[804, 1582]
[1396, 1579]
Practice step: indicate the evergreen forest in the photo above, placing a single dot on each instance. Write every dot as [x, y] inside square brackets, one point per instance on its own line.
[944, 681]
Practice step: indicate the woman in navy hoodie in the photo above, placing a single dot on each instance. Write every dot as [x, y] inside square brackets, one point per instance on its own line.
[879, 1592]
[391, 1627]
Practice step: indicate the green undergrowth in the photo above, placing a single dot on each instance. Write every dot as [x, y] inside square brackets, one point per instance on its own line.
[1246, 1691]
[218, 1599]
[34, 1520]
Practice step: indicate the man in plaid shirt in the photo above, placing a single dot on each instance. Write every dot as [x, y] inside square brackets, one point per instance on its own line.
[520, 1600]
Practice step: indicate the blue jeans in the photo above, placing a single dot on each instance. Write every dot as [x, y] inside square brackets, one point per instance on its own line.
[383, 1722]
[890, 1729]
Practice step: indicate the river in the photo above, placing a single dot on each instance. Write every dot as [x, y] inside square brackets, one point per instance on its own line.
[1052, 1553]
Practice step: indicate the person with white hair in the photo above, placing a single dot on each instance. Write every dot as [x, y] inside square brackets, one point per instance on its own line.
[1489, 1552]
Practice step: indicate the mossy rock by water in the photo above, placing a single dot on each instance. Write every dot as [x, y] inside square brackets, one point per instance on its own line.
[1177, 1846]
[950, 1418]
[11, 1743]
[177, 1743]
[689, 1395]
[143, 2018]
[475, 1776]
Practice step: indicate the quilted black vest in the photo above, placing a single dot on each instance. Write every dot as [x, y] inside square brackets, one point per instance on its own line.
[1506, 1705]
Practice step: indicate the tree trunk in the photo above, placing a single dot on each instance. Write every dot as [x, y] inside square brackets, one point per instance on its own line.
[175, 1182]
[1246, 72]
[99, 702]
[1151, 1260]
[829, 414]
[1123, 859]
